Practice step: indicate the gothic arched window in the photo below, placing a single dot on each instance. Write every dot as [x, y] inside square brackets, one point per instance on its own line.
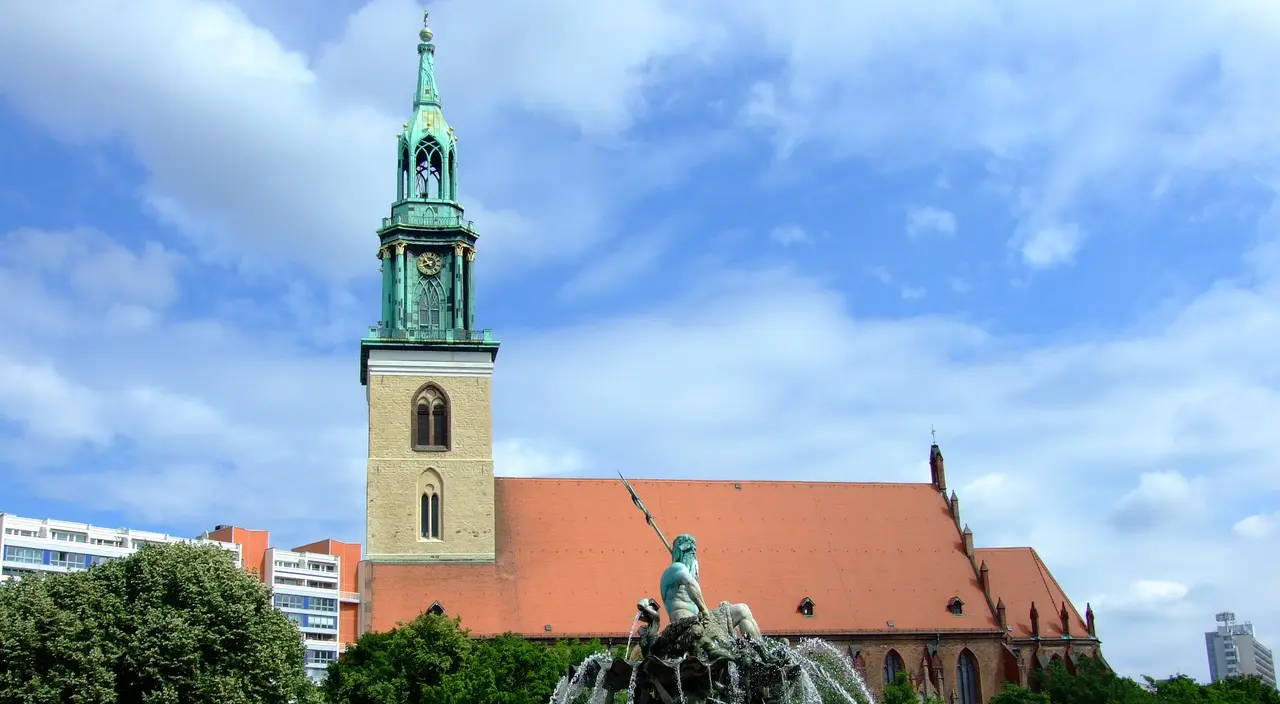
[453, 175]
[892, 666]
[429, 505]
[430, 169]
[431, 419]
[967, 678]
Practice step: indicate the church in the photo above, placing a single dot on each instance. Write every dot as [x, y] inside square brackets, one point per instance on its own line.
[888, 572]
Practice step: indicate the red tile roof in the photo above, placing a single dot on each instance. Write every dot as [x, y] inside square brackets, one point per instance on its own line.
[576, 554]
[1019, 577]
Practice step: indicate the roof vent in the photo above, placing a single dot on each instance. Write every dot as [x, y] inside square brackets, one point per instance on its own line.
[221, 526]
[955, 606]
[737, 485]
[547, 628]
[890, 623]
[436, 609]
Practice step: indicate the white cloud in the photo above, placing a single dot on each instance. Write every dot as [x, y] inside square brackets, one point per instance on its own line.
[1052, 245]
[1159, 498]
[525, 458]
[788, 235]
[930, 220]
[1258, 526]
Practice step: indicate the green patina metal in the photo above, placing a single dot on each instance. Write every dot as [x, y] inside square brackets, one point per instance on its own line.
[427, 246]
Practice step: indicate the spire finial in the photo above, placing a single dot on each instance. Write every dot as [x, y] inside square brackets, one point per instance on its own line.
[425, 34]
[934, 432]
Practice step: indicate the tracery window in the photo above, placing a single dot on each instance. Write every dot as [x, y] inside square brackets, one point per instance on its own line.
[430, 169]
[892, 666]
[431, 419]
[430, 505]
[967, 678]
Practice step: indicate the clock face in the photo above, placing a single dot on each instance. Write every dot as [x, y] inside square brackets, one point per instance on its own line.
[429, 263]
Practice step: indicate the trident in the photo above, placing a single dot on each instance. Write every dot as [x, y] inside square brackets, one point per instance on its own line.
[648, 517]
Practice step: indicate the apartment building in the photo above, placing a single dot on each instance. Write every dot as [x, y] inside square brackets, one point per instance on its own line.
[314, 584]
[1234, 652]
[31, 545]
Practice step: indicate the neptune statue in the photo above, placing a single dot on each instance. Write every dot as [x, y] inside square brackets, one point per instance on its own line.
[708, 656]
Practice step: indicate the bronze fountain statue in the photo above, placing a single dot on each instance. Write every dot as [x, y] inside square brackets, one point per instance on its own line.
[708, 656]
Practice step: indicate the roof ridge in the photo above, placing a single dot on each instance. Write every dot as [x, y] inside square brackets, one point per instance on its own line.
[824, 482]
[1048, 578]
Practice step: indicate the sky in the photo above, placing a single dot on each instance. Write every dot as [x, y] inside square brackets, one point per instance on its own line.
[744, 239]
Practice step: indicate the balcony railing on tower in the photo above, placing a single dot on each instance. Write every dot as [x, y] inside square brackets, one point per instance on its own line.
[423, 333]
[449, 221]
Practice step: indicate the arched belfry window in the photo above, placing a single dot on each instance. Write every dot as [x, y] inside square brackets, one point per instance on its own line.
[430, 169]
[431, 419]
[892, 666]
[430, 505]
[453, 174]
[404, 185]
[433, 309]
[967, 678]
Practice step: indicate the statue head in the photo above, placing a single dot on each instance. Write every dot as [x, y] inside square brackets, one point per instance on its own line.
[648, 609]
[685, 551]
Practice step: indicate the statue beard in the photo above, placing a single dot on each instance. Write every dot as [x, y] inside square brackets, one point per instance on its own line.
[690, 560]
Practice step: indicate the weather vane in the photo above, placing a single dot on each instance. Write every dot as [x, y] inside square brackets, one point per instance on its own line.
[648, 517]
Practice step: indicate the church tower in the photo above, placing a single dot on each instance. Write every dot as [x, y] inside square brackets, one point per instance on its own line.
[427, 370]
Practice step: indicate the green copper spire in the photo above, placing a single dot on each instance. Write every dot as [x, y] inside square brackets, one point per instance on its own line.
[426, 94]
[427, 247]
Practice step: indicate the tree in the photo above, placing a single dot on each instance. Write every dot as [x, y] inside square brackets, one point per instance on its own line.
[900, 691]
[171, 623]
[1014, 694]
[1092, 683]
[433, 659]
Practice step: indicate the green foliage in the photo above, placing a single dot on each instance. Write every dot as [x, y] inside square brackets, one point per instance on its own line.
[1014, 694]
[1092, 683]
[172, 623]
[433, 659]
[900, 691]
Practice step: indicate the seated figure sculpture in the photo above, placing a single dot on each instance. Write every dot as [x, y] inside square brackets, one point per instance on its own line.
[682, 595]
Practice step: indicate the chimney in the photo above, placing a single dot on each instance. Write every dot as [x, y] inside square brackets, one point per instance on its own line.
[1035, 621]
[967, 535]
[936, 468]
[955, 507]
[1066, 620]
[1000, 615]
[1088, 621]
[984, 579]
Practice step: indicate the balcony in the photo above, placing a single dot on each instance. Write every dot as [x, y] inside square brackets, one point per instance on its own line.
[349, 597]
[429, 222]
[422, 333]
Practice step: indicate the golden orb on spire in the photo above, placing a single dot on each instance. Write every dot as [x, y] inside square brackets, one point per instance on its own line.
[425, 34]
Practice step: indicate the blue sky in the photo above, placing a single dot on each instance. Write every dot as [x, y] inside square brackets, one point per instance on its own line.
[1049, 231]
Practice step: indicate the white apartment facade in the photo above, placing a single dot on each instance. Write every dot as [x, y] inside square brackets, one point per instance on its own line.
[1234, 652]
[305, 587]
[32, 545]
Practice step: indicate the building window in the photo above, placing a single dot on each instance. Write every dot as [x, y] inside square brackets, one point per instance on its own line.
[73, 560]
[314, 584]
[892, 666]
[806, 607]
[288, 601]
[431, 419]
[967, 678]
[20, 531]
[319, 603]
[321, 657]
[329, 622]
[296, 618]
[30, 556]
[321, 567]
[290, 581]
[430, 515]
[69, 536]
